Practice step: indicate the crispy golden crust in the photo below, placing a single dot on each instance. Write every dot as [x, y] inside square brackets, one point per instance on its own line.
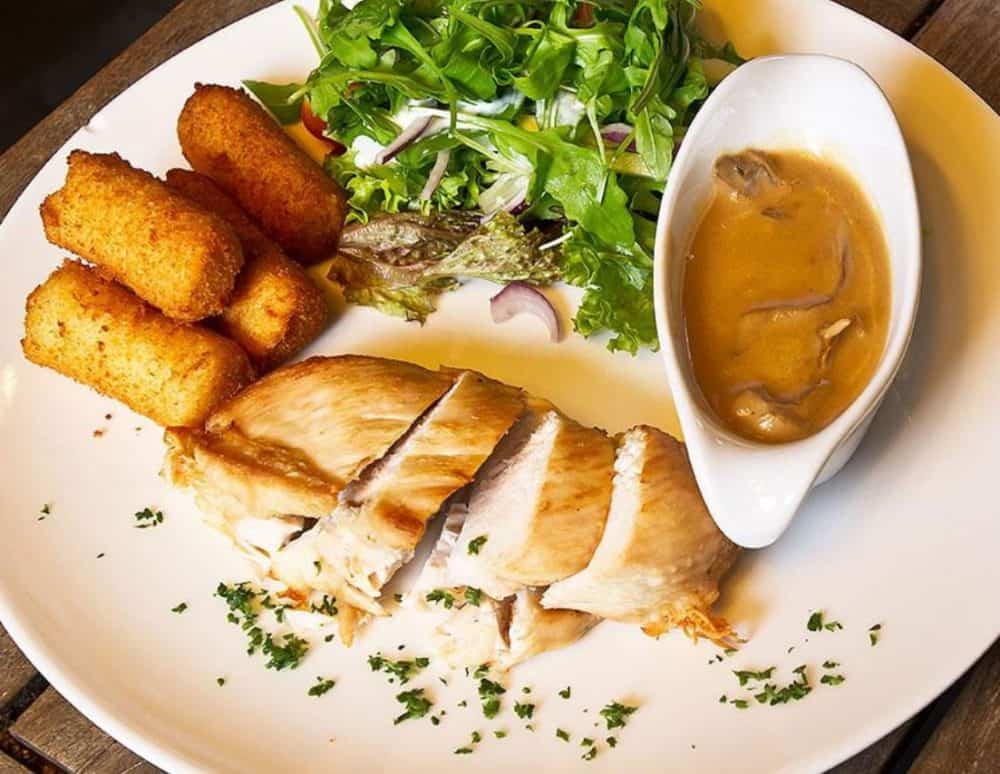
[172, 253]
[275, 309]
[98, 333]
[340, 412]
[226, 135]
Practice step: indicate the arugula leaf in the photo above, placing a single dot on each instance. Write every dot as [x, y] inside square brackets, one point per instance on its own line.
[284, 102]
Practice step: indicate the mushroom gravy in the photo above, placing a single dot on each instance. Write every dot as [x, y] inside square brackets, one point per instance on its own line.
[787, 294]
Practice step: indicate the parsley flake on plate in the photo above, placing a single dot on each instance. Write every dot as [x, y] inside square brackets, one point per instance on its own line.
[321, 686]
[402, 669]
[524, 711]
[473, 596]
[180, 608]
[616, 715]
[476, 543]
[148, 518]
[565, 692]
[564, 735]
[415, 703]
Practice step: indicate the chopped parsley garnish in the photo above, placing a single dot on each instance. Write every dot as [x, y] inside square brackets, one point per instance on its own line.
[489, 693]
[590, 754]
[463, 751]
[148, 518]
[815, 622]
[730, 651]
[529, 727]
[417, 705]
[476, 737]
[403, 669]
[564, 735]
[524, 711]
[833, 626]
[435, 720]
[499, 734]
[831, 664]
[616, 715]
[473, 595]
[740, 703]
[287, 655]
[442, 596]
[745, 675]
[463, 703]
[46, 509]
[220, 681]
[321, 687]
[481, 671]
[612, 741]
[180, 608]
[873, 634]
[328, 638]
[795, 690]
[565, 692]
[100, 555]
[832, 679]
[327, 606]
[526, 689]
[586, 742]
[318, 565]
[476, 543]
[723, 699]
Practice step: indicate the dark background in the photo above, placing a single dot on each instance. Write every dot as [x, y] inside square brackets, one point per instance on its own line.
[51, 47]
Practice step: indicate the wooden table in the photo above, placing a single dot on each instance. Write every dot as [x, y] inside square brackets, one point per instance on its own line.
[958, 734]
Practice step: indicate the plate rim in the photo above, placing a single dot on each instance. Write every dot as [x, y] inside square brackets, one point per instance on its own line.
[171, 758]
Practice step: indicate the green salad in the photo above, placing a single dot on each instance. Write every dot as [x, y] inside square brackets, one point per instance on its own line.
[545, 127]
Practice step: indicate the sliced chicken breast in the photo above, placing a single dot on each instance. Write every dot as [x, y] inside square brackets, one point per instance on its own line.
[341, 413]
[503, 634]
[382, 515]
[661, 557]
[537, 514]
[274, 457]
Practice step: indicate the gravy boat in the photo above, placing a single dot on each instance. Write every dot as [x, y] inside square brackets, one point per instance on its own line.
[834, 109]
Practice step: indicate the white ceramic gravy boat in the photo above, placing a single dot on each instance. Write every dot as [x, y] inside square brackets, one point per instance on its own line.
[834, 109]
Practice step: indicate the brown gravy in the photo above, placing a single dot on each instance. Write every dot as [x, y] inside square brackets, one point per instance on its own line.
[786, 294]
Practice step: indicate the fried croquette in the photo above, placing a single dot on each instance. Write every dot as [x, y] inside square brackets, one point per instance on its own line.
[227, 136]
[172, 253]
[276, 310]
[97, 332]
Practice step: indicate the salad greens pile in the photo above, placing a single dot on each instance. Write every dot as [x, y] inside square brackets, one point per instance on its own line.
[564, 113]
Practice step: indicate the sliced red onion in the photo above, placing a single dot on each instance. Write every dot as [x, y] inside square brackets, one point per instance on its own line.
[616, 134]
[520, 297]
[436, 175]
[404, 139]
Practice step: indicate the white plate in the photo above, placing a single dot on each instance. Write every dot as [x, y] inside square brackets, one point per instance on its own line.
[906, 535]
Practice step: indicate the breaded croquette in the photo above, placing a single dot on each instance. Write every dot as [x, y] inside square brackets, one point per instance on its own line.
[172, 253]
[98, 333]
[276, 310]
[227, 136]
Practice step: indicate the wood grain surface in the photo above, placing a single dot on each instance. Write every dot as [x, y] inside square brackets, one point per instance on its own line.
[54, 729]
[958, 734]
[15, 671]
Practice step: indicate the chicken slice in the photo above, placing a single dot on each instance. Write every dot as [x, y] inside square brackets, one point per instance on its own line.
[537, 514]
[661, 558]
[274, 456]
[341, 413]
[382, 515]
[503, 634]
